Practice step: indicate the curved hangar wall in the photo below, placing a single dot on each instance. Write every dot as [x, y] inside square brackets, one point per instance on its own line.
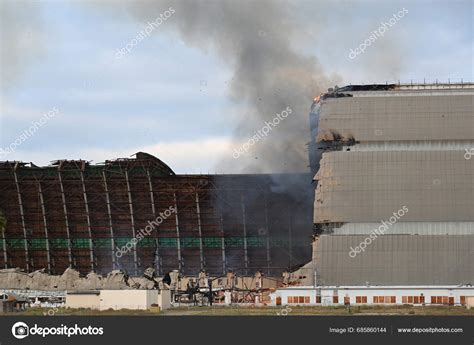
[387, 147]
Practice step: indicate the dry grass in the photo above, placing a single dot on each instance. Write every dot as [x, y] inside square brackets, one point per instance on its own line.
[259, 311]
[336, 310]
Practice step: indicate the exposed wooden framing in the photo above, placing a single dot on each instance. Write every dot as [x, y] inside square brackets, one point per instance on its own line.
[132, 221]
[45, 225]
[109, 211]
[66, 220]
[5, 255]
[201, 250]
[158, 267]
[267, 232]
[22, 216]
[290, 242]
[224, 259]
[89, 229]
[246, 257]
[178, 238]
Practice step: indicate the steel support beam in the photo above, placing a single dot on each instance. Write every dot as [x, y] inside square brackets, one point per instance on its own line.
[22, 216]
[178, 237]
[290, 233]
[45, 225]
[224, 264]
[109, 212]
[89, 228]
[201, 250]
[66, 219]
[132, 221]
[246, 257]
[5, 255]
[267, 232]
[157, 242]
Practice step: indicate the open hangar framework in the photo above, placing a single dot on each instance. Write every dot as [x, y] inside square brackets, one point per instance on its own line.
[75, 214]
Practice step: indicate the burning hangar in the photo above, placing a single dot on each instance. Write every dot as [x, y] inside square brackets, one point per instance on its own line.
[394, 200]
[79, 215]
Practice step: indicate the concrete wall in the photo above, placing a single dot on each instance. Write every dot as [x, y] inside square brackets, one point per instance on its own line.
[351, 292]
[164, 299]
[128, 299]
[83, 300]
[470, 302]
[119, 299]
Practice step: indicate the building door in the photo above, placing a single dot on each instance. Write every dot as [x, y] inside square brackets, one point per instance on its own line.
[451, 300]
[347, 300]
[278, 300]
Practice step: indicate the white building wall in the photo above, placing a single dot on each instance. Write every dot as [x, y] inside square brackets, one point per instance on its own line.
[127, 299]
[327, 294]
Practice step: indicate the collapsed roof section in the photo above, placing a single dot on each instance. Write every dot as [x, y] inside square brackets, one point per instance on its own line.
[142, 163]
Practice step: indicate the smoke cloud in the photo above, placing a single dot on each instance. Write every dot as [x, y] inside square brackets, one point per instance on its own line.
[255, 39]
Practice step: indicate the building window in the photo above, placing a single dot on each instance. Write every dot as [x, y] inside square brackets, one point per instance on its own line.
[415, 299]
[385, 299]
[361, 299]
[335, 299]
[318, 299]
[298, 299]
[442, 300]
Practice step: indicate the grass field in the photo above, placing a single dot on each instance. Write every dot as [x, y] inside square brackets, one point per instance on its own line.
[258, 311]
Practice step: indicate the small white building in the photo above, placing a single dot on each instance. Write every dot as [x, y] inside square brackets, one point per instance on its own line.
[118, 299]
[353, 295]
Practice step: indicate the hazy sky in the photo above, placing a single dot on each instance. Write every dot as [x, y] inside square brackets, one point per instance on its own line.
[172, 100]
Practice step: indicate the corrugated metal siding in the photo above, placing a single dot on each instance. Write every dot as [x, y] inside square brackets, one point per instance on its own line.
[387, 118]
[409, 228]
[395, 260]
[370, 186]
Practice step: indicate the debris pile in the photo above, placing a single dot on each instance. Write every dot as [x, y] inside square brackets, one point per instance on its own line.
[14, 278]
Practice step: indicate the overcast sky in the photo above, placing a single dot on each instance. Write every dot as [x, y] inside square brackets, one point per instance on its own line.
[172, 100]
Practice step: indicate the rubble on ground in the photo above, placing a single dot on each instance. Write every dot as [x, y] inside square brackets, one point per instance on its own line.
[70, 280]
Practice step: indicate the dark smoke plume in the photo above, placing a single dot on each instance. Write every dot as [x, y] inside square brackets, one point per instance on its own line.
[255, 39]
